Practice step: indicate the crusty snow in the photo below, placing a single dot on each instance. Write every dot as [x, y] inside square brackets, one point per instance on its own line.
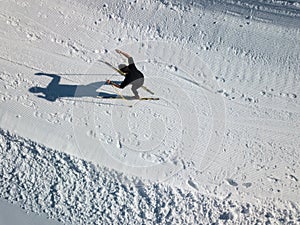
[74, 191]
[221, 146]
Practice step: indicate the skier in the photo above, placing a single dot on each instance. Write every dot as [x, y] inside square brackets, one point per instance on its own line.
[132, 75]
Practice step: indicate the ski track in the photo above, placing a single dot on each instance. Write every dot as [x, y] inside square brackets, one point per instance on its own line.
[221, 147]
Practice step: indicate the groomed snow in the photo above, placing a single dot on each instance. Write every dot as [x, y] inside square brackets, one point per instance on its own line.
[220, 146]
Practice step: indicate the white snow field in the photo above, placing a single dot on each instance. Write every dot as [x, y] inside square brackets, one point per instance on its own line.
[220, 146]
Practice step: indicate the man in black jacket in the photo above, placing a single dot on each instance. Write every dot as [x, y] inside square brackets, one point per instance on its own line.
[132, 75]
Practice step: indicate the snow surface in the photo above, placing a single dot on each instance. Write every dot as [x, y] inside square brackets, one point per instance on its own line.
[220, 146]
[13, 214]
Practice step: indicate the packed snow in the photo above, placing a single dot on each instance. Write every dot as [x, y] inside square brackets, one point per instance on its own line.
[220, 146]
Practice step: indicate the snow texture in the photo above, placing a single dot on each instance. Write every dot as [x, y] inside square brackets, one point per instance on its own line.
[11, 214]
[220, 146]
[74, 191]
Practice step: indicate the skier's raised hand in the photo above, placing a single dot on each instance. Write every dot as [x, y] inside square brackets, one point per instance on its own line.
[123, 53]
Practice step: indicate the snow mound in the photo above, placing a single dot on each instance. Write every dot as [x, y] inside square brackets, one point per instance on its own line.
[75, 191]
[221, 144]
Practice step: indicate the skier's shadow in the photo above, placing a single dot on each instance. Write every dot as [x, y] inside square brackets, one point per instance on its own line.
[54, 90]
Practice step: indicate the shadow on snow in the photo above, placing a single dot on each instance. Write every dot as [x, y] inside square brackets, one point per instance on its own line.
[54, 90]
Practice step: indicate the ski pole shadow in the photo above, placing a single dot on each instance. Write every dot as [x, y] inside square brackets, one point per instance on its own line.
[55, 90]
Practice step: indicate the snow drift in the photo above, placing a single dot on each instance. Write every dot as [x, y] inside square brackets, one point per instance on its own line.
[221, 145]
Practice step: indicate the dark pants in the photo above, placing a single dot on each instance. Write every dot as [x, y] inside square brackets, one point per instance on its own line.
[136, 84]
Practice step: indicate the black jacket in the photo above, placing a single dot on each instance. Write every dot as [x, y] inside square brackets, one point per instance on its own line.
[132, 75]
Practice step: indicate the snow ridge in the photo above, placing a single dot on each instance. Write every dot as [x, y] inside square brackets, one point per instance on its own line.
[286, 13]
[74, 191]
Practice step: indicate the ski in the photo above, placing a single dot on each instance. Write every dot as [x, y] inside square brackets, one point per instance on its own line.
[123, 74]
[153, 99]
[128, 98]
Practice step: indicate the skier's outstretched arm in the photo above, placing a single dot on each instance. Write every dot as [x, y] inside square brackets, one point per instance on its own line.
[113, 84]
[123, 53]
[121, 86]
[129, 57]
